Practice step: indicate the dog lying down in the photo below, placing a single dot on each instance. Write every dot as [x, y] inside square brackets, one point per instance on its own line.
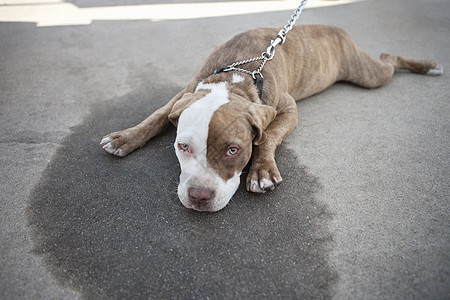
[222, 122]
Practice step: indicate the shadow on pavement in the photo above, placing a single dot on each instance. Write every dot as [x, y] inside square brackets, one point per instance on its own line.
[114, 228]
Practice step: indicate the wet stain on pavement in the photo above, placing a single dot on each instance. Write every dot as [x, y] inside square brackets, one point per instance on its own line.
[114, 228]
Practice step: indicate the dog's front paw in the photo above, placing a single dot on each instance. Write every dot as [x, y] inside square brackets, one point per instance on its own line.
[121, 143]
[263, 176]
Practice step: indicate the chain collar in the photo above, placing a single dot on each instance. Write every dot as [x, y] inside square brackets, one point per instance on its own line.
[270, 52]
[265, 56]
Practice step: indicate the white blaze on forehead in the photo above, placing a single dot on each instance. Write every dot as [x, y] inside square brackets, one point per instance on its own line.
[194, 121]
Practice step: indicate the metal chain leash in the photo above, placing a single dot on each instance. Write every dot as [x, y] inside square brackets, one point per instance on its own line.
[270, 52]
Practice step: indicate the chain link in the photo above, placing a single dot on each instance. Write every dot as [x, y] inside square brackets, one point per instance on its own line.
[293, 19]
[270, 52]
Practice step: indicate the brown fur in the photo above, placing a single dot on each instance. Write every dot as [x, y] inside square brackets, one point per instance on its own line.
[313, 58]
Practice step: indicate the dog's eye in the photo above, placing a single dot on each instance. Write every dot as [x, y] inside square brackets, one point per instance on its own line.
[183, 147]
[232, 151]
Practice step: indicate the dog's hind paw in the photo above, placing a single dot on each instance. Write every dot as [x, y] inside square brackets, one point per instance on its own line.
[437, 71]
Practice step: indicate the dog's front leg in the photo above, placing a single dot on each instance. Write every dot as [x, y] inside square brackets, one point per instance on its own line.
[123, 142]
[264, 174]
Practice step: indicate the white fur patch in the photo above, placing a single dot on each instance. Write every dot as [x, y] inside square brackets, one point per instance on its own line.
[105, 141]
[193, 126]
[217, 87]
[266, 184]
[108, 148]
[439, 70]
[237, 78]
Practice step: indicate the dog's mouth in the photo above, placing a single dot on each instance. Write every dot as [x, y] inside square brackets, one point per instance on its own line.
[200, 206]
[204, 206]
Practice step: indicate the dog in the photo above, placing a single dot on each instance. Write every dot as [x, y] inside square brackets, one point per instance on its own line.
[223, 121]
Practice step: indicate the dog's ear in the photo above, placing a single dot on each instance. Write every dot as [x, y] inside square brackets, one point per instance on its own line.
[260, 116]
[185, 101]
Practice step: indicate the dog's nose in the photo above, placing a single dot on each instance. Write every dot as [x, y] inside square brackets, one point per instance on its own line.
[200, 194]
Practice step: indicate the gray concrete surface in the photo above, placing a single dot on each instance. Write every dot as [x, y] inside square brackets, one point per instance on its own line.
[363, 212]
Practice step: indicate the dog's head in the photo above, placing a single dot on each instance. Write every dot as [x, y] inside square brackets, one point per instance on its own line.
[216, 130]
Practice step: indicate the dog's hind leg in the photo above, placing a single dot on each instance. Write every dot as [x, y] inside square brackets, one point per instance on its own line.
[424, 67]
[123, 142]
[366, 71]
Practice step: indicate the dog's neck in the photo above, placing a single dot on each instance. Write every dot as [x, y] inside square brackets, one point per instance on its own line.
[239, 84]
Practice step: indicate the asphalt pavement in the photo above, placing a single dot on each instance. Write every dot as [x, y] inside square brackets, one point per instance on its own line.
[363, 212]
